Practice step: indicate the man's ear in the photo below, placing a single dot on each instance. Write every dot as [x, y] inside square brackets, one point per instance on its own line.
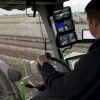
[95, 21]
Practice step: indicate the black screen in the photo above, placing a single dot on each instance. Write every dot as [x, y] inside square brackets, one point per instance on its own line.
[67, 39]
[64, 13]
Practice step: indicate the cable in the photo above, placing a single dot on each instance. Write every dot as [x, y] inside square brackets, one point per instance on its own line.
[34, 7]
[34, 16]
[45, 46]
[29, 85]
[26, 8]
[41, 29]
[44, 39]
[18, 92]
[10, 92]
[27, 14]
[66, 49]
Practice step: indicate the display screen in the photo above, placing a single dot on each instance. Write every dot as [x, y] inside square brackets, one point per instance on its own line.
[67, 39]
[87, 35]
[64, 26]
[73, 60]
[62, 13]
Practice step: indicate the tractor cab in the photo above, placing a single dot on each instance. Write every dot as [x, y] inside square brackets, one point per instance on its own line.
[65, 38]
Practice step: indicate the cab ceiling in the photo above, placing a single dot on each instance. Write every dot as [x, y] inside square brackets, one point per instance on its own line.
[20, 4]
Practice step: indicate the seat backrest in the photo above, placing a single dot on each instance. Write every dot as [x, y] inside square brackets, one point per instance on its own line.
[14, 75]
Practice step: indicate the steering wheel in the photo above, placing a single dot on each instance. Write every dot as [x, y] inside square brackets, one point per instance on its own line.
[42, 87]
[57, 60]
[62, 63]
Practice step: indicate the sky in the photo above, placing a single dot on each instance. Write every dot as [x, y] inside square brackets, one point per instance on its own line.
[76, 5]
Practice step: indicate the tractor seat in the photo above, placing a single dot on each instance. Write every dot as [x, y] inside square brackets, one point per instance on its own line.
[14, 75]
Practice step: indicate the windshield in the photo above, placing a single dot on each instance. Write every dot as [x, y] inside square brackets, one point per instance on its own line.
[21, 39]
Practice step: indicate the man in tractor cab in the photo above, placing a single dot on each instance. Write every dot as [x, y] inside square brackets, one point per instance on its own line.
[83, 83]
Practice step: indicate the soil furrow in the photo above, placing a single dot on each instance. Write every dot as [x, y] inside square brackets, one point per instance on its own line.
[25, 44]
[18, 54]
[20, 36]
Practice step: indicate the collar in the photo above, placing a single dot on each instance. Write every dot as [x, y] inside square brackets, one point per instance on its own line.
[94, 45]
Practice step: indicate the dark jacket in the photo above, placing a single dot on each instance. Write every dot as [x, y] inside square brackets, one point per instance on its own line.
[83, 83]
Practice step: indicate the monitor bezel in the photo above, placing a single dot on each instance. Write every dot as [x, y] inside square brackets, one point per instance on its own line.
[69, 31]
[69, 44]
[59, 20]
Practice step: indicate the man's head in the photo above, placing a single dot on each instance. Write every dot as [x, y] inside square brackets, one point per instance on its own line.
[93, 17]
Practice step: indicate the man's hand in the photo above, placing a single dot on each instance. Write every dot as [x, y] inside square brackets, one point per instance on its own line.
[42, 59]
